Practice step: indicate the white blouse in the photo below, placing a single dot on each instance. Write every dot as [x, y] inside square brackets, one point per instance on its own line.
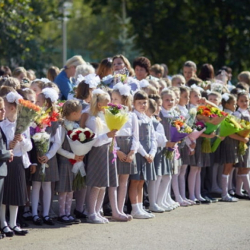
[160, 136]
[100, 130]
[131, 128]
[183, 110]
[240, 112]
[145, 119]
[56, 143]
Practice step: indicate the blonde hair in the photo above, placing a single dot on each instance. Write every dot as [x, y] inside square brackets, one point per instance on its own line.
[150, 90]
[214, 93]
[53, 86]
[178, 77]
[244, 76]
[157, 69]
[155, 84]
[40, 84]
[74, 61]
[17, 71]
[31, 75]
[167, 92]
[97, 98]
[126, 100]
[71, 106]
[84, 70]
[12, 82]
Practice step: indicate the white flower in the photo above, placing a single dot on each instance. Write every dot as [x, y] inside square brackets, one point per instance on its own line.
[82, 137]
[13, 97]
[98, 92]
[46, 136]
[51, 94]
[33, 125]
[123, 89]
[92, 80]
[37, 137]
[68, 125]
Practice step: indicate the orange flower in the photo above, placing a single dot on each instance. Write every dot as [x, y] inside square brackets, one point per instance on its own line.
[207, 113]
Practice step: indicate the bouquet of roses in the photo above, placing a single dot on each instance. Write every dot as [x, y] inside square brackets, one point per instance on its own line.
[116, 116]
[26, 113]
[81, 141]
[245, 132]
[178, 131]
[228, 127]
[212, 117]
[42, 143]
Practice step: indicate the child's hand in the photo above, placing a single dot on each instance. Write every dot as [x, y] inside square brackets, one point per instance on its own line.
[11, 156]
[122, 157]
[18, 138]
[130, 156]
[202, 101]
[12, 144]
[150, 159]
[245, 140]
[43, 159]
[170, 144]
[112, 133]
[79, 158]
[32, 169]
[192, 145]
[212, 135]
[192, 152]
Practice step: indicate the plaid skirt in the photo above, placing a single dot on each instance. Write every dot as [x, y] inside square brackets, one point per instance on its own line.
[101, 172]
[15, 192]
[125, 143]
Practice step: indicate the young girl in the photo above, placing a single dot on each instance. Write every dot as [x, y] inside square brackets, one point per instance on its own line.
[46, 98]
[244, 161]
[71, 113]
[227, 152]
[144, 157]
[127, 140]
[167, 113]
[15, 193]
[37, 86]
[101, 173]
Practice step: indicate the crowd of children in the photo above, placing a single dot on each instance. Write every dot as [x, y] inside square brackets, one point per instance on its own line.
[141, 181]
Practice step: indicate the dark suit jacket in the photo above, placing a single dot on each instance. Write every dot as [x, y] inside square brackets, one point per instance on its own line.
[4, 154]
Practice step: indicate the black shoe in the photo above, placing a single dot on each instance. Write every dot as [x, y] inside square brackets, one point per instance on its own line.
[74, 220]
[64, 219]
[242, 197]
[80, 215]
[7, 234]
[37, 220]
[206, 202]
[107, 212]
[209, 198]
[17, 232]
[197, 202]
[47, 220]
[2, 236]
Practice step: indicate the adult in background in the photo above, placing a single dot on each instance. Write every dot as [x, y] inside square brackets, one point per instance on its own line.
[141, 66]
[63, 80]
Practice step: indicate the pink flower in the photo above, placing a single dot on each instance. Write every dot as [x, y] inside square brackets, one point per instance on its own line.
[213, 115]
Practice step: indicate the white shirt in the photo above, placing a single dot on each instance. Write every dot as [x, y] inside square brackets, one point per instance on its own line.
[241, 112]
[183, 110]
[56, 143]
[131, 128]
[98, 125]
[21, 147]
[145, 119]
[168, 113]
[160, 136]
[228, 111]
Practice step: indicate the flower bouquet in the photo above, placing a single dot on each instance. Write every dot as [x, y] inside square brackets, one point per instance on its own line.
[42, 143]
[245, 132]
[26, 113]
[212, 117]
[121, 75]
[81, 141]
[228, 127]
[198, 128]
[116, 116]
[178, 131]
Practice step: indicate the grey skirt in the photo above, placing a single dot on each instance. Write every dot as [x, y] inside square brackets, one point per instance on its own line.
[125, 143]
[165, 167]
[101, 172]
[201, 159]
[15, 192]
[51, 173]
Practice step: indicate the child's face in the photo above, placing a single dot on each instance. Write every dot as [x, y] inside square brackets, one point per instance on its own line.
[140, 73]
[2, 110]
[184, 98]
[20, 77]
[141, 105]
[177, 82]
[32, 98]
[243, 102]
[195, 97]
[40, 101]
[177, 97]
[188, 72]
[231, 105]
[75, 116]
[10, 110]
[35, 88]
[118, 64]
[116, 98]
[102, 105]
[168, 101]
[214, 99]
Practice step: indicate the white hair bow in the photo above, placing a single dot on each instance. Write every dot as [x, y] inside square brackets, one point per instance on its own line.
[98, 92]
[51, 94]
[123, 89]
[144, 83]
[79, 79]
[194, 86]
[92, 80]
[13, 97]
[225, 97]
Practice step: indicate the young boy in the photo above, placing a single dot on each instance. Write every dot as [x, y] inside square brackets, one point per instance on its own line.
[5, 155]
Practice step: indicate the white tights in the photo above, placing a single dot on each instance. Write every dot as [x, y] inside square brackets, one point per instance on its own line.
[194, 183]
[13, 216]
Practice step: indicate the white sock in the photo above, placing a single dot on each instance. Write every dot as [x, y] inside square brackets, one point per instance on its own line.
[239, 183]
[46, 186]
[113, 202]
[224, 183]
[13, 215]
[92, 201]
[245, 179]
[135, 209]
[165, 181]
[3, 216]
[175, 187]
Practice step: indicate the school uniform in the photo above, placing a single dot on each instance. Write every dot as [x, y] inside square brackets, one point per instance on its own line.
[15, 192]
[51, 173]
[101, 171]
[147, 145]
[127, 139]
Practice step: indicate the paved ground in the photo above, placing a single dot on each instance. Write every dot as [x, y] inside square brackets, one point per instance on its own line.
[223, 226]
